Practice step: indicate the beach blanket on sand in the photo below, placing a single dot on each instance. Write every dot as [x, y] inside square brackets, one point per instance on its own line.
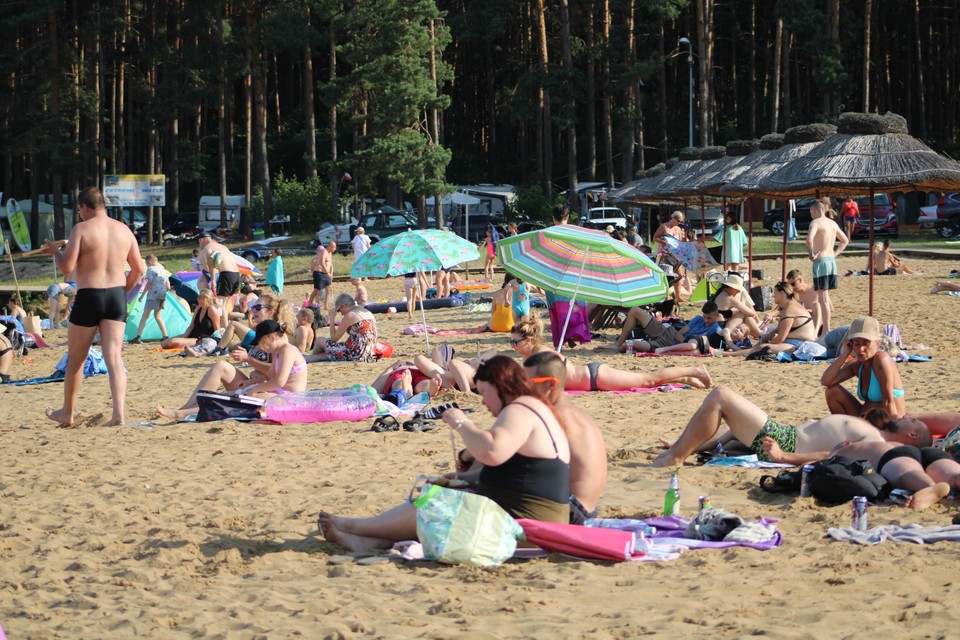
[663, 388]
[650, 354]
[916, 533]
[750, 462]
[93, 366]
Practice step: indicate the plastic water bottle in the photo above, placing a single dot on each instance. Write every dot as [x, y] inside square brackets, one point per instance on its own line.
[629, 347]
[671, 501]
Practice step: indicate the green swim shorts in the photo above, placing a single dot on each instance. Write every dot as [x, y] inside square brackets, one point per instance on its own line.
[783, 434]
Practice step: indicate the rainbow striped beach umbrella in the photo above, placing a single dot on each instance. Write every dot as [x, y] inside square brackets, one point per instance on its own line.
[584, 264]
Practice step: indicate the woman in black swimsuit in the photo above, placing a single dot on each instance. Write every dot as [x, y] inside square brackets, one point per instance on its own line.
[206, 320]
[526, 447]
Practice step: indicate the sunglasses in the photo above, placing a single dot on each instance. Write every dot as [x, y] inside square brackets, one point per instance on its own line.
[515, 341]
[258, 307]
[545, 379]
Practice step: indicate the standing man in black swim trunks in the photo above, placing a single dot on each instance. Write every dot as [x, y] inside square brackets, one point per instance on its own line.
[98, 251]
[218, 262]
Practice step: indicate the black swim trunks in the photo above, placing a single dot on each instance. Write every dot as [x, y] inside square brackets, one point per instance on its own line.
[579, 513]
[228, 283]
[321, 280]
[925, 455]
[93, 305]
[593, 368]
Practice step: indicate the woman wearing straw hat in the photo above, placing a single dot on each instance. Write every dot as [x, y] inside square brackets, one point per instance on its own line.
[736, 307]
[879, 385]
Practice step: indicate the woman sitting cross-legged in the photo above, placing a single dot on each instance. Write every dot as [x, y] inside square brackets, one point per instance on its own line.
[286, 370]
[205, 322]
[526, 446]
[358, 325]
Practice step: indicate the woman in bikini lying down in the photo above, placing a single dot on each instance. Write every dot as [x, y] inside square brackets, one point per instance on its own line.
[527, 339]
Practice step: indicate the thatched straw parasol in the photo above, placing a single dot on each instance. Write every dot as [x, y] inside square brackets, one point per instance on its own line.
[624, 191]
[869, 153]
[796, 142]
[707, 178]
[691, 159]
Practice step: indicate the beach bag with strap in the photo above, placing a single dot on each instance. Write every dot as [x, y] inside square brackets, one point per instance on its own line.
[458, 527]
[840, 479]
[219, 406]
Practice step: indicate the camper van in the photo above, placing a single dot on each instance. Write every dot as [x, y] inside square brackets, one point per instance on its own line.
[209, 213]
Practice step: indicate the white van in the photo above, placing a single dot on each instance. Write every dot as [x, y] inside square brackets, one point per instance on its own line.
[209, 217]
[603, 217]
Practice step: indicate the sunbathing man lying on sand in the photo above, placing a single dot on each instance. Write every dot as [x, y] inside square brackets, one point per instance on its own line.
[527, 340]
[407, 379]
[771, 440]
[928, 472]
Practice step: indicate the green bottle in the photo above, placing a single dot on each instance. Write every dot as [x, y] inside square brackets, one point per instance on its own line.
[671, 501]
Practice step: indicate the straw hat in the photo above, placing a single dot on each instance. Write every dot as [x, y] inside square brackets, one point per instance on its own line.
[866, 327]
[735, 281]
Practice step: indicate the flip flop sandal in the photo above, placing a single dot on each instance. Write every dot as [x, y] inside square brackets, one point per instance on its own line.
[385, 423]
[418, 423]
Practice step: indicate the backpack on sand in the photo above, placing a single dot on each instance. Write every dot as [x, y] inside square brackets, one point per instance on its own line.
[841, 479]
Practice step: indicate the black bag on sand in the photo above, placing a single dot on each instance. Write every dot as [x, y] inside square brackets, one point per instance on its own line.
[218, 406]
[762, 297]
[840, 479]
[786, 481]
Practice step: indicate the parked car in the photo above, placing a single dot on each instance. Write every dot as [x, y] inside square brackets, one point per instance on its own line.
[948, 206]
[885, 220]
[885, 217]
[186, 223]
[603, 217]
[712, 221]
[773, 218]
[384, 222]
[948, 216]
[928, 217]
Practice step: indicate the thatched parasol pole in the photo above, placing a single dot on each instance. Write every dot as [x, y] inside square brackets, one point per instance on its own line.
[743, 212]
[870, 249]
[723, 212]
[783, 257]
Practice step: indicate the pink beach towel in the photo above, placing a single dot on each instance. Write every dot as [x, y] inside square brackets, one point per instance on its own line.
[41, 344]
[663, 388]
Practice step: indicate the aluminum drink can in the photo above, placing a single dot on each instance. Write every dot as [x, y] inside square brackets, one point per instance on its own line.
[705, 502]
[805, 482]
[859, 506]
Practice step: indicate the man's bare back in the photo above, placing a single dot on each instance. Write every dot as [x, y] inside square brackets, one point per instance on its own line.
[822, 236]
[101, 248]
[588, 454]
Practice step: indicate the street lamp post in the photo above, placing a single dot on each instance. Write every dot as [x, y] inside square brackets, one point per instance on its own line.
[686, 41]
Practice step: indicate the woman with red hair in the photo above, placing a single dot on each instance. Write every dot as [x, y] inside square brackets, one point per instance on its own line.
[525, 458]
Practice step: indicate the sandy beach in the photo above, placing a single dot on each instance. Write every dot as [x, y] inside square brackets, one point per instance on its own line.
[164, 530]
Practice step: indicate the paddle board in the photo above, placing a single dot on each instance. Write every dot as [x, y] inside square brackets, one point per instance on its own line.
[18, 225]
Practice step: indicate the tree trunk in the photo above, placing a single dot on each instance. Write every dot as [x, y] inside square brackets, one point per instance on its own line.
[867, 38]
[55, 142]
[921, 88]
[628, 139]
[591, 81]
[571, 103]
[336, 171]
[607, 99]
[309, 115]
[705, 46]
[785, 65]
[752, 83]
[662, 90]
[775, 90]
[546, 149]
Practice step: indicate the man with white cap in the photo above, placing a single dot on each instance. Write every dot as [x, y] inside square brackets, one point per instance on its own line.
[361, 242]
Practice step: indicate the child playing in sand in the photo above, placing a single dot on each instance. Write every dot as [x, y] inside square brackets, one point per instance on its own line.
[203, 347]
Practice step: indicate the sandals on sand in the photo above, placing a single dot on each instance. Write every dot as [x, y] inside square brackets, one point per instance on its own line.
[385, 423]
[418, 423]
